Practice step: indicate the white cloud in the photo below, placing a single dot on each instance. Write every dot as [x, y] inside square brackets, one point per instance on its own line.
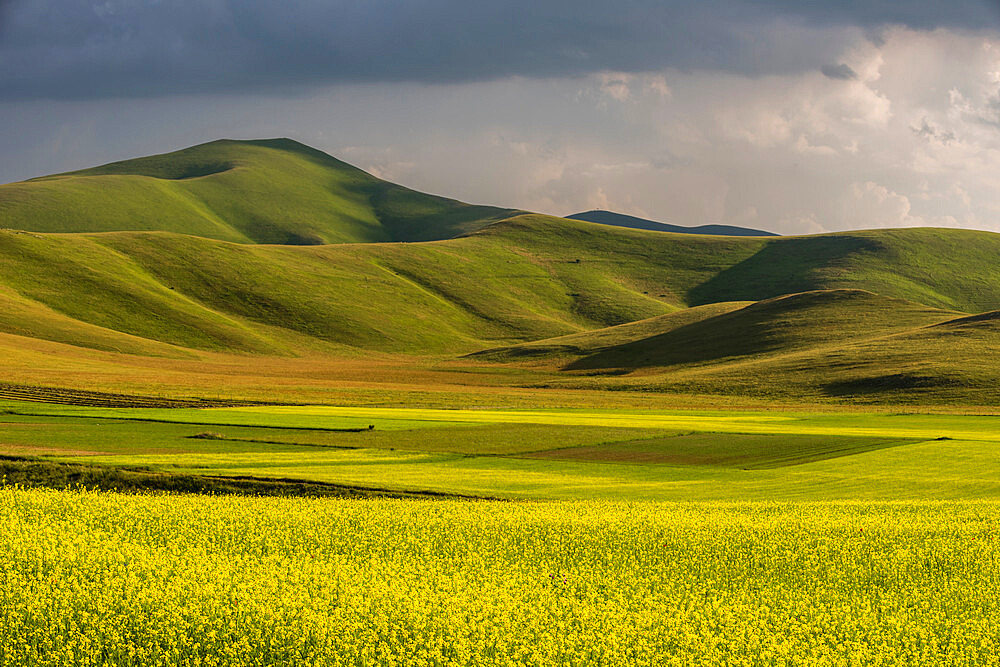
[607, 87]
[802, 223]
[657, 84]
[877, 206]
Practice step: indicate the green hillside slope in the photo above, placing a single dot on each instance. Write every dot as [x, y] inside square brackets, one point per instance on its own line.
[574, 346]
[954, 269]
[729, 330]
[268, 191]
[451, 296]
[839, 344]
[524, 279]
[798, 321]
[952, 362]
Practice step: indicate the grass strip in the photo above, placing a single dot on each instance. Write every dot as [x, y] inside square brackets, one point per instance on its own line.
[26, 471]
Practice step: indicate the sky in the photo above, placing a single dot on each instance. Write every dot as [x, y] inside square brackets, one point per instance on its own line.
[785, 115]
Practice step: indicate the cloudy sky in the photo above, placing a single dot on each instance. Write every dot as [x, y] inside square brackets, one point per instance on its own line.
[790, 116]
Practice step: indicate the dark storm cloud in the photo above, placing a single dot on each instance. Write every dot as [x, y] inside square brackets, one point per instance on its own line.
[101, 48]
[919, 14]
[842, 72]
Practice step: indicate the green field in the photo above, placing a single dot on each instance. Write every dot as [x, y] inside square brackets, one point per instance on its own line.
[537, 454]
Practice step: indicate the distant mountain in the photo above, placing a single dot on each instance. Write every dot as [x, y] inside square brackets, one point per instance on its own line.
[621, 220]
[274, 191]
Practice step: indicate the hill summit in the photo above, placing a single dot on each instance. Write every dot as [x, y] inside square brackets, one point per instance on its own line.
[265, 191]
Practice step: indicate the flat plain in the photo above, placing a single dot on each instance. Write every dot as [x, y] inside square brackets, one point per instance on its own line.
[539, 454]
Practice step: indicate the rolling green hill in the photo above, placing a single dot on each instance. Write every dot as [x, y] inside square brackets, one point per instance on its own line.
[209, 249]
[705, 334]
[583, 344]
[267, 191]
[954, 269]
[523, 279]
[951, 362]
[838, 343]
[835, 344]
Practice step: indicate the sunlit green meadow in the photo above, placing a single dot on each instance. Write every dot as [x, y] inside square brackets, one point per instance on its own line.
[538, 454]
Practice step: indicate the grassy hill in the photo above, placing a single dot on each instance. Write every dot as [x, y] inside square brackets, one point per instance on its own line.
[523, 279]
[207, 250]
[836, 344]
[585, 343]
[734, 329]
[952, 362]
[198, 293]
[953, 269]
[268, 191]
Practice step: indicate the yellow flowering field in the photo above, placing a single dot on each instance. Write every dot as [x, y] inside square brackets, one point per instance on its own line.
[91, 578]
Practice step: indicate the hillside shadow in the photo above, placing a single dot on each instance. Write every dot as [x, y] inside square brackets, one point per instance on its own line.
[782, 266]
[788, 322]
[739, 333]
[887, 383]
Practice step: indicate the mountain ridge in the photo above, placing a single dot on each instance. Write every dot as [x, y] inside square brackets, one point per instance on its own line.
[611, 218]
